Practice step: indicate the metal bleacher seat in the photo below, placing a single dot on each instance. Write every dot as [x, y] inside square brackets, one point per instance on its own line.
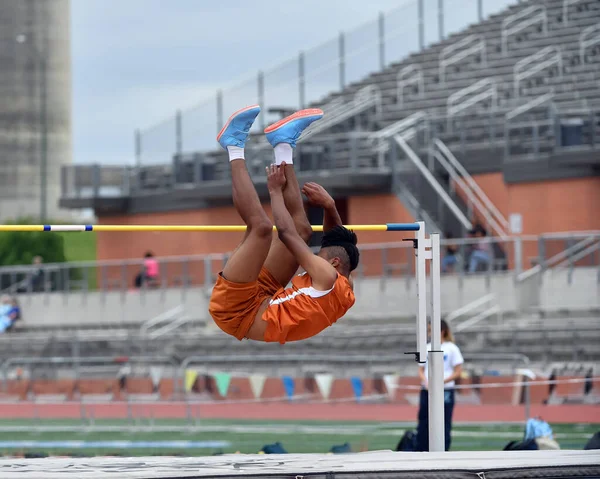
[575, 81]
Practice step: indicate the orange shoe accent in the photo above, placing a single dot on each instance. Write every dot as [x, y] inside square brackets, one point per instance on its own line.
[251, 107]
[298, 114]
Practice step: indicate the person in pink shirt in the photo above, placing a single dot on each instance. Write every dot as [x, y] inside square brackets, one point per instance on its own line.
[149, 273]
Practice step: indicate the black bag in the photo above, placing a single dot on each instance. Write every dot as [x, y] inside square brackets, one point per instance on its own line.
[529, 445]
[276, 448]
[344, 448]
[408, 443]
[593, 443]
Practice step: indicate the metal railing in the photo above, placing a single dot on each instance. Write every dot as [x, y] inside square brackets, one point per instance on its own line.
[521, 20]
[588, 37]
[464, 48]
[541, 60]
[410, 75]
[415, 160]
[476, 197]
[566, 5]
[482, 90]
[194, 271]
[529, 105]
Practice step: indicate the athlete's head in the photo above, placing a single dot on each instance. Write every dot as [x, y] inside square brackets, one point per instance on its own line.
[338, 246]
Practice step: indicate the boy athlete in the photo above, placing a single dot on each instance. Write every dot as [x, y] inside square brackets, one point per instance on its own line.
[249, 299]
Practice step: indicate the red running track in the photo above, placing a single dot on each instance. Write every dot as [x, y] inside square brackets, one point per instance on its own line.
[298, 411]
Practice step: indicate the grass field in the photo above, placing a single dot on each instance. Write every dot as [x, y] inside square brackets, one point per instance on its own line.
[251, 436]
[82, 247]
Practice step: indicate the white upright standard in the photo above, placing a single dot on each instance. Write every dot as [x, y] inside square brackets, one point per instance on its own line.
[428, 249]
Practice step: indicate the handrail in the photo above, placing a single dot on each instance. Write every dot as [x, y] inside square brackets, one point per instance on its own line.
[467, 308]
[524, 23]
[172, 326]
[473, 200]
[398, 127]
[586, 43]
[519, 72]
[530, 105]
[566, 5]
[166, 315]
[538, 268]
[412, 156]
[493, 310]
[458, 56]
[416, 78]
[489, 89]
[498, 217]
[363, 98]
[577, 256]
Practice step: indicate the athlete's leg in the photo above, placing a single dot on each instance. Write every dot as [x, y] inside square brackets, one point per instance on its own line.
[245, 263]
[283, 135]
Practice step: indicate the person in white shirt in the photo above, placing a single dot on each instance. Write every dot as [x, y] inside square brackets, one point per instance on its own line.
[453, 361]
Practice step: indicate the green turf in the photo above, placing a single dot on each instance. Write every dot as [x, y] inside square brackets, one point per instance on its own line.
[296, 437]
[82, 247]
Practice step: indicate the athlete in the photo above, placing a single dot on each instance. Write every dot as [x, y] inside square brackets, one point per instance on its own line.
[250, 299]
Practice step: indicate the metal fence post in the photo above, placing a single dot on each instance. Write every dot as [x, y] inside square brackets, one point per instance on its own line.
[301, 80]
[342, 60]
[421, 21]
[261, 96]
[518, 252]
[441, 19]
[138, 147]
[219, 110]
[178, 134]
[381, 41]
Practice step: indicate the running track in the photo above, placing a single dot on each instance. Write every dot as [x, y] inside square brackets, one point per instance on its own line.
[287, 411]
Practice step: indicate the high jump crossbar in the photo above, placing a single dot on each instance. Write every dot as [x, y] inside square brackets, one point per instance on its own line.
[193, 228]
[426, 249]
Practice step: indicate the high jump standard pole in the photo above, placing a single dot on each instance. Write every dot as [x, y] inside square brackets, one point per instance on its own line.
[428, 249]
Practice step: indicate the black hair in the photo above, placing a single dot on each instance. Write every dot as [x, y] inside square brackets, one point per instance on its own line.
[149, 255]
[342, 243]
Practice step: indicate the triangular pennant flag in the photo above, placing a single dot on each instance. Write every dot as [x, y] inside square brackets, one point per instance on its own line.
[391, 381]
[222, 380]
[324, 383]
[257, 383]
[155, 375]
[190, 379]
[288, 384]
[357, 386]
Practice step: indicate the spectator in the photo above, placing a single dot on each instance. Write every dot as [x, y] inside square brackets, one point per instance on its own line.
[481, 254]
[453, 361]
[5, 308]
[149, 273]
[450, 258]
[14, 313]
[38, 275]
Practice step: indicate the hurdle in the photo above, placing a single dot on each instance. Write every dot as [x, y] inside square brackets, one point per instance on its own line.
[427, 249]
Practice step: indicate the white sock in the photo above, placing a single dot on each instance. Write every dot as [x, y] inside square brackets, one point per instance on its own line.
[235, 153]
[284, 152]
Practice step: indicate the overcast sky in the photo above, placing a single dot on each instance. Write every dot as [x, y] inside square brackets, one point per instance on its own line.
[135, 62]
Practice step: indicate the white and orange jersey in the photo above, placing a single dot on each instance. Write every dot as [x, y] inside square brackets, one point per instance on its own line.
[301, 311]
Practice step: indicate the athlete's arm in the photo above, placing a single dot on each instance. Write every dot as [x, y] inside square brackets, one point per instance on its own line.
[323, 275]
[318, 196]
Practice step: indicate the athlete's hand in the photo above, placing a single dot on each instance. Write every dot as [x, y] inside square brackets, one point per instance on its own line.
[317, 195]
[276, 177]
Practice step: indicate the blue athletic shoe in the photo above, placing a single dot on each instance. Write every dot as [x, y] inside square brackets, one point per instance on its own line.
[235, 132]
[290, 128]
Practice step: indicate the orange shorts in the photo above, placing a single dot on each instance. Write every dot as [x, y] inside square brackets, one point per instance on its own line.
[233, 306]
